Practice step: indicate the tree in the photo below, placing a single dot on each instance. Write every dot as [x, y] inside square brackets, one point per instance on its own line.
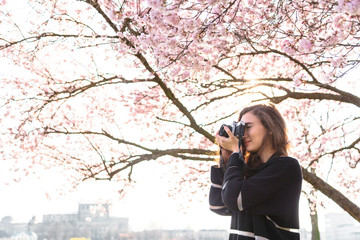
[85, 72]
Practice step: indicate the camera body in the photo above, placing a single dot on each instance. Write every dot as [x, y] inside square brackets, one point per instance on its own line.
[237, 128]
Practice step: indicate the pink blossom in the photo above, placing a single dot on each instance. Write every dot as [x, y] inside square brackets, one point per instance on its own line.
[212, 2]
[338, 22]
[299, 79]
[177, 36]
[185, 75]
[351, 7]
[155, 4]
[250, 2]
[338, 62]
[305, 45]
[287, 47]
[173, 19]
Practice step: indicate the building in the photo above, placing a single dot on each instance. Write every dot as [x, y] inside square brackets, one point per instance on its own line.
[341, 226]
[212, 234]
[26, 235]
[305, 234]
[17, 231]
[163, 235]
[4, 235]
[92, 221]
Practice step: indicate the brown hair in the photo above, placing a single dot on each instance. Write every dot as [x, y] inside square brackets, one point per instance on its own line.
[276, 135]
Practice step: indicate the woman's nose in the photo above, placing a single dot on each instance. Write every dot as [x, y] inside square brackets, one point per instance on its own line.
[245, 133]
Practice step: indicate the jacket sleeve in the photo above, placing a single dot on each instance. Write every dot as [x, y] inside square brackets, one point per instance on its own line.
[255, 194]
[233, 180]
[215, 200]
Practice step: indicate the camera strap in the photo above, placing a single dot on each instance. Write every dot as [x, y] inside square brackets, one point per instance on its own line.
[222, 162]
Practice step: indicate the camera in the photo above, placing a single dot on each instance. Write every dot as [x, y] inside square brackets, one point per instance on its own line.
[237, 128]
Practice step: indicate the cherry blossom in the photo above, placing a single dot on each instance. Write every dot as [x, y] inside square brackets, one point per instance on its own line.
[99, 86]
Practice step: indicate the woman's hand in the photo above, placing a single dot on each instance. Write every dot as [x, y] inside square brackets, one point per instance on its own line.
[231, 143]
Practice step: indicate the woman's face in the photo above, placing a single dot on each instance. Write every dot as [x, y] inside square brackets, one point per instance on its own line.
[254, 132]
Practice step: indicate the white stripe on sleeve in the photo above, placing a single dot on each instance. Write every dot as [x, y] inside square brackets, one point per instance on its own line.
[247, 234]
[216, 185]
[294, 230]
[216, 207]
[239, 202]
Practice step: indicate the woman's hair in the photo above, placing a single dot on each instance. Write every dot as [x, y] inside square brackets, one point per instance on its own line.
[275, 137]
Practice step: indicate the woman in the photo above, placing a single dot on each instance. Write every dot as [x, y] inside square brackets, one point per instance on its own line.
[260, 188]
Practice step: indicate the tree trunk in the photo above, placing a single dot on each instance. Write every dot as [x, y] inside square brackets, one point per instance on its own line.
[315, 233]
[332, 193]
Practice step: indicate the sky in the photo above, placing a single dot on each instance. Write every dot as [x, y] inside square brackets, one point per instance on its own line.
[147, 205]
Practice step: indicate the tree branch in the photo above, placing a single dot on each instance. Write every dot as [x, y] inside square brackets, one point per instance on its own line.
[332, 193]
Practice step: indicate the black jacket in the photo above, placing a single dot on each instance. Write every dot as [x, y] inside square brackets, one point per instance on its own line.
[264, 206]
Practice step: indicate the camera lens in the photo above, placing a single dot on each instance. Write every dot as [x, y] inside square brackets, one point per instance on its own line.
[222, 131]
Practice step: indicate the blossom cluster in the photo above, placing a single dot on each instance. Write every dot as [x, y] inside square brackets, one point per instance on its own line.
[96, 85]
